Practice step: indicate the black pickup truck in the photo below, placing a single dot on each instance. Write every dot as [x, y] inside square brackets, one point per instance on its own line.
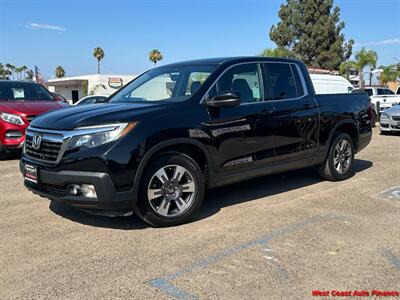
[176, 130]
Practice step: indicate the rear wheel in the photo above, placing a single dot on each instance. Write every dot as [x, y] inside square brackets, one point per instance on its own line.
[339, 163]
[171, 191]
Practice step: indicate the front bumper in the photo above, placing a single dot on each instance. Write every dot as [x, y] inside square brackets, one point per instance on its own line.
[54, 186]
[389, 125]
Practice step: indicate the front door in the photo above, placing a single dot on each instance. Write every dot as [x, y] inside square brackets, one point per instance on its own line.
[244, 133]
[296, 115]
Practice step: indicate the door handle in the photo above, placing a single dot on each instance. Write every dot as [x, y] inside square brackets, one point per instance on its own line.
[309, 106]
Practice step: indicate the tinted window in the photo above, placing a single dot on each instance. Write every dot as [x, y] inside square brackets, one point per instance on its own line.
[369, 92]
[380, 91]
[284, 82]
[11, 90]
[244, 79]
[388, 92]
[195, 81]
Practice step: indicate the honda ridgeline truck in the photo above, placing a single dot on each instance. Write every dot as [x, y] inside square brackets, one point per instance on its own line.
[179, 129]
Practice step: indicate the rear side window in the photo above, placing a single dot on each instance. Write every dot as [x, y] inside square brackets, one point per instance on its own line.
[388, 92]
[369, 92]
[380, 91]
[285, 81]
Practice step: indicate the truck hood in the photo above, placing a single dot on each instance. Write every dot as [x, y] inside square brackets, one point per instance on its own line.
[92, 114]
[35, 107]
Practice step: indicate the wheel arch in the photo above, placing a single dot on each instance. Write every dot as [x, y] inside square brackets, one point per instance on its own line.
[186, 146]
[348, 126]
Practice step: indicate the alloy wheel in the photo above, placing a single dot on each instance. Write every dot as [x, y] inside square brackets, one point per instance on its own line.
[342, 156]
[171, 191]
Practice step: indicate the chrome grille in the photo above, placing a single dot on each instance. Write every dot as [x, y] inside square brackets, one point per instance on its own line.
[48, 151]
[396, 118]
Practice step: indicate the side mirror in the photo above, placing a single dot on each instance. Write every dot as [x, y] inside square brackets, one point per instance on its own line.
[224, 99]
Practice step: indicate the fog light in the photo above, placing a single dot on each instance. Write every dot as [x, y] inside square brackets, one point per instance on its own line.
[74, 189]
[88, 190]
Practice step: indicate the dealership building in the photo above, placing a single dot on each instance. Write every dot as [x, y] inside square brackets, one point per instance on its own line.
[77, 87]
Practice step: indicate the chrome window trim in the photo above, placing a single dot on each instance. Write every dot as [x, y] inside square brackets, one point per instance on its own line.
[303, 82]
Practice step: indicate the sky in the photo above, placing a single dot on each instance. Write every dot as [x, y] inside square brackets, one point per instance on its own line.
[48, 33]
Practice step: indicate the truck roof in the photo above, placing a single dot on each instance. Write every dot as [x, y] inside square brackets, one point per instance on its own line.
[229, 60]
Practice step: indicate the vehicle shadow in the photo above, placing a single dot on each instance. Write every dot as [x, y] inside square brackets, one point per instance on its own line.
[215, 199]
[264, 187]
[12, 155]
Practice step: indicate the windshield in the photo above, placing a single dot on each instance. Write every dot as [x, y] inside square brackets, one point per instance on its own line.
[12, 90]
[170, 83]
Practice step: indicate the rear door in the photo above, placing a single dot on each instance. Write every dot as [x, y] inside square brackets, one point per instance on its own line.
[244, 133]
[296, 115]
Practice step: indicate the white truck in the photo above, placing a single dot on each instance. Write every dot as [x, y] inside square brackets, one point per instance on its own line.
[382, 97]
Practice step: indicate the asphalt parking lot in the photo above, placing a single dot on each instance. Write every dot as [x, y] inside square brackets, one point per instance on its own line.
[280, 236]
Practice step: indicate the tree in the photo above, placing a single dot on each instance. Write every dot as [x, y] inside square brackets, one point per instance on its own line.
[23, 71]
[60, 72]
[277, 52]
[18, 71]
[346, 68]
[312, 31]
[389, 73]
[29, 74]
[98, 53]
[10, 68]
[4, 72]
[155, 56]
[363, 58]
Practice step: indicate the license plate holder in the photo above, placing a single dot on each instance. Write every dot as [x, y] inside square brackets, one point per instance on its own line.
[31, 173]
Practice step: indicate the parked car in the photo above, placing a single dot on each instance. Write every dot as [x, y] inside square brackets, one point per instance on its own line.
[179, 129]
[92, 99]
[330, 84]
[20, 103]
[382, 97]
[59, 97]
[390, 120]
[398, 90]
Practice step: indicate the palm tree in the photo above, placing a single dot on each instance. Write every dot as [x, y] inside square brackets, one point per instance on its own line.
[98, 53]
[18, 71]
[155, 56]
[10, 68]
[389, 73]
[23, 70]
[364, 58]
[60, 72]
[346, 68]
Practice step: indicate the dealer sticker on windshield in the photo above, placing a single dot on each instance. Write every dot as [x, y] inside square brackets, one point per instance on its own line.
[31, 173]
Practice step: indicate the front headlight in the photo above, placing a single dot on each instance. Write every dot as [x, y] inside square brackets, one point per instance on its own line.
[100, 135]
[11, 118]
[385, 116]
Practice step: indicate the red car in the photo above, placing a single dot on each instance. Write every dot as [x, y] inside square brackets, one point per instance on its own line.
[20, 102]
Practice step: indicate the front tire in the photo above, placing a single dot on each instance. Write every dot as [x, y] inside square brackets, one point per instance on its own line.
[171, 190]
[339, 163]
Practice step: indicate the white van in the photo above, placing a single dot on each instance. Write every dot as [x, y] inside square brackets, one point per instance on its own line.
[330, 84]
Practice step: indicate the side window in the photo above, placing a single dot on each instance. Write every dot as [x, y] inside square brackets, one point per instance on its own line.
[380, 92]
[245, 79]
[388, 92]
[284, 82]
[195, 81]
[369, 92]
